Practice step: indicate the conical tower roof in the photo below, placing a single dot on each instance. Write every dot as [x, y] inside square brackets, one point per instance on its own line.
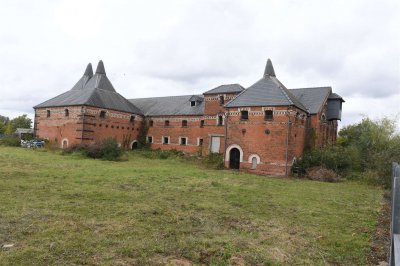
[268, 91]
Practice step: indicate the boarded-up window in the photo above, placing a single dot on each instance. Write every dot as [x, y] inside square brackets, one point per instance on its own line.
[215, 144]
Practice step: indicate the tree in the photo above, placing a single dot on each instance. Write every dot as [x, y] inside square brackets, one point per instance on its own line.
[22, 121]
[3, 123]
[378, 145]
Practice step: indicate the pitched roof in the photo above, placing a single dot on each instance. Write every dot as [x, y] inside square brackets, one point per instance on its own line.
[268, 91]
[228, 88]
[312, 98]
[335, 96]
[170, 105]
[95, 91]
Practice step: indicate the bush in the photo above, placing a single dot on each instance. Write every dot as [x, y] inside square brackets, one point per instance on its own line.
[10, 141]
[106, 149]
[214, 161]
[160, 154]
[341, 160]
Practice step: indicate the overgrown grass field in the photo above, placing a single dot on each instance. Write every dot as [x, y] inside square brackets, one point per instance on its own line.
[69, 210]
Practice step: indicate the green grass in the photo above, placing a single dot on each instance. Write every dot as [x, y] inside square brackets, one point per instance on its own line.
[66, 210]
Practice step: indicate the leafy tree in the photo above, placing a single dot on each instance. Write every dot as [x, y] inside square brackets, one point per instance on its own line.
[3, 123]
[22, 121]
[9, 129]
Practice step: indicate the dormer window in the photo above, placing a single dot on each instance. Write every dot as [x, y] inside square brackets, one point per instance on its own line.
[244, 115]
[102, 114]
[66, 112]
[221, 100]
[192, 103]
[268, 115]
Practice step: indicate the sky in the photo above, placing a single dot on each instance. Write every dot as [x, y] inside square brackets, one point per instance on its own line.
[161, 48]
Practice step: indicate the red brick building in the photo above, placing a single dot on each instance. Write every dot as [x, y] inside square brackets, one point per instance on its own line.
[263, 128]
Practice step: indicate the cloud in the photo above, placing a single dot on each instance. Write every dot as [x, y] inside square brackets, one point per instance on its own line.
[158, 48]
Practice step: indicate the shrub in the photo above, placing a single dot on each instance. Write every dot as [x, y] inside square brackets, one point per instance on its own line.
[10, 141]
[160, 154]
[214, 161]
[106, 149]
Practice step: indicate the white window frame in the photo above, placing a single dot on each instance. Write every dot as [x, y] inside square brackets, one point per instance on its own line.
[169, 140]
[147, 139]
[180, 140]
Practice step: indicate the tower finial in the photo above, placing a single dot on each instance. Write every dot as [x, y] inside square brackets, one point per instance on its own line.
[269, 69]
[89, 71]
[100, 68]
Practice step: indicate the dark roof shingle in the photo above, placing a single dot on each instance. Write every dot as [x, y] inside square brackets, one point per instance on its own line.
[228, 88]
[170, 105]
[95, 91]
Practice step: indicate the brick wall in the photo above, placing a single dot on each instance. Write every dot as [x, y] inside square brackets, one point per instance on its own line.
[84, 125]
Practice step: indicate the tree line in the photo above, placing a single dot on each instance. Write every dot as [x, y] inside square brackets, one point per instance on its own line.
[363, 151]
[8, 126]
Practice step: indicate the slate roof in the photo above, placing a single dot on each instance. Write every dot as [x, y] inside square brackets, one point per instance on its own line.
[93, 90]
[335, 96]
[170, 105]
[312, 98]
[268, 91]
[228, 88]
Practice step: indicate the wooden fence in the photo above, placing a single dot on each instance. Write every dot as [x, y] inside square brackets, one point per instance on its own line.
[394, 257]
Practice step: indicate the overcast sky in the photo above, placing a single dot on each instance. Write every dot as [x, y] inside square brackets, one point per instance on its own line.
[161, 48]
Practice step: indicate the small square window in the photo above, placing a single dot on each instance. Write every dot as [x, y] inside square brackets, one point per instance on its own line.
[192, 103]
[102, 114]
[184, 123]
[269, 115]
[244, 115]
[183, 141]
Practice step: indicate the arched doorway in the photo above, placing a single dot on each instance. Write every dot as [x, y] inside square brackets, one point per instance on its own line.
[134, 145]
[234, 158]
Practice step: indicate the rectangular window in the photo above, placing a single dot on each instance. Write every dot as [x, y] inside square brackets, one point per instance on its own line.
[165, 140]
[66, 112]
[102, 114]
[132, 120]
[149, 139]
[183, 141]
[221, 100]
[244, 115]
[166, 123]
[269, 115]
[48, 113]
[201, 123]
[192, 103]
[151, 123]
[184, 123]
[220, 120]
[200, 142]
